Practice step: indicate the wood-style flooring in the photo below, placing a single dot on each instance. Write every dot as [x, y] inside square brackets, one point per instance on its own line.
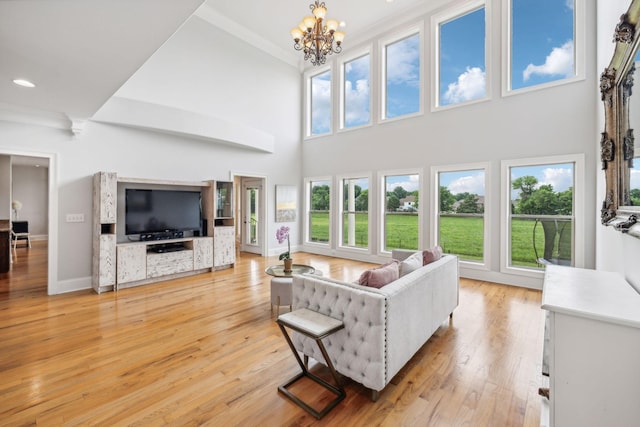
[205, 350]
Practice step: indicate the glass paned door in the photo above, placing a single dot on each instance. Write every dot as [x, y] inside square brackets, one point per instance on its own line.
[252, 220]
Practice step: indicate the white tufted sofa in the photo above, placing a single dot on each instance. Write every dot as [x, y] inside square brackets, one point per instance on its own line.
[384, 327]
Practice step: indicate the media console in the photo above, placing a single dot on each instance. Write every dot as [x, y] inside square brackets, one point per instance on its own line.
[119, 264]
[140, 263]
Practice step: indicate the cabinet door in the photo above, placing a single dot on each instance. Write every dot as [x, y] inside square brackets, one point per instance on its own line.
[202, 253]
[132, 263]
[224, 246]
[107, 260]
[105, 193]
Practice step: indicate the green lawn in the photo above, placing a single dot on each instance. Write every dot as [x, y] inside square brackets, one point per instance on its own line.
[462, 236]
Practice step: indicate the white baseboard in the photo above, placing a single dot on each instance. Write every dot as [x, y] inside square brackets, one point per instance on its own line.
[71, 285]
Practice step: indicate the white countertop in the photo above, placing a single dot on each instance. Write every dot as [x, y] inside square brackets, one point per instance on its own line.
[592, 294]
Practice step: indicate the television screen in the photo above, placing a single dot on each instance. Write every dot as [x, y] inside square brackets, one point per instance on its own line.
[149, 211]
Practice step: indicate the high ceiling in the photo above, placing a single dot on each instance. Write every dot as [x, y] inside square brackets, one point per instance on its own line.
[79, 52]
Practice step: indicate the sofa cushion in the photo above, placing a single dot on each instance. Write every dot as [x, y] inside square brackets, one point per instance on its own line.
[430, 255]
[411, 263]
[380, 276]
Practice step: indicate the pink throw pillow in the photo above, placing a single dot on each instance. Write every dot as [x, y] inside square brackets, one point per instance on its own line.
[380, 276]
[431, 255]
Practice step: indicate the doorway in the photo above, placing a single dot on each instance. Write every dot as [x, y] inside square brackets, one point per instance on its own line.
[42, 221]
[252, 214]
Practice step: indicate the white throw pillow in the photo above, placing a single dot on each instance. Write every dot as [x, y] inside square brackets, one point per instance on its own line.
[410, 264]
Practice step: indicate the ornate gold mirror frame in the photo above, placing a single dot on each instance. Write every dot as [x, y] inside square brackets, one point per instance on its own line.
[617, 142]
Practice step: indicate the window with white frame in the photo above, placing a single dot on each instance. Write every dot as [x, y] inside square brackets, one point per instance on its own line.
[542, 40]
[460, 39]
[402, 75]
[401, 223]
[319, 208]
[543, 208]
[461, 227]
[354, 216]
[356, 92]
[319, 103]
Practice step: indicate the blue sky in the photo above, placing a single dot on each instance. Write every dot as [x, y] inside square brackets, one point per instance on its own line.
[542, 52]
[471, 181]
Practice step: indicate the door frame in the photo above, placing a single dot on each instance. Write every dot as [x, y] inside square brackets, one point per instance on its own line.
[262, 205]
[52, 232]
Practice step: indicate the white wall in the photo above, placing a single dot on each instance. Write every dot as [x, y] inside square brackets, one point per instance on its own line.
[203, 70]
[615, 251]
[548, 122]
[30, 186]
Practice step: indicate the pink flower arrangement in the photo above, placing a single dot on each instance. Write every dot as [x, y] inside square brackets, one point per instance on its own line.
[282, 234]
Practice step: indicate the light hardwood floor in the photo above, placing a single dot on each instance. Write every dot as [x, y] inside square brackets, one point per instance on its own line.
[205, 351]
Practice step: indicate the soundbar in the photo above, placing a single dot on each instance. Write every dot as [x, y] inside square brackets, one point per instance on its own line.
[161, 235]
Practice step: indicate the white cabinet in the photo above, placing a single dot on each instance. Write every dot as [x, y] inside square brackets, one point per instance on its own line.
[159, 265]
[132, 262]
[135, 263]
[224, 246]
[593, 348]
[202, 253]
[104, 231]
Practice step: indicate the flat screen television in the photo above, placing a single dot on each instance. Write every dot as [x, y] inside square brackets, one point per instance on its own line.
[152, 211]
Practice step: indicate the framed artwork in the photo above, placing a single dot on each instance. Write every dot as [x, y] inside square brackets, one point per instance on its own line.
[286, 203]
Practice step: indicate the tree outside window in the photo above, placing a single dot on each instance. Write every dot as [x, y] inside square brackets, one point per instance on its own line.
[319, 208]
[542, 215]
[401, 226]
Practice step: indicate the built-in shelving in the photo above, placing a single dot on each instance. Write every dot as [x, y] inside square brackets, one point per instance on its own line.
[119, 264]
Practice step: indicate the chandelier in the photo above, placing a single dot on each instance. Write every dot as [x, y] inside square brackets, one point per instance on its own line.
[315, 37]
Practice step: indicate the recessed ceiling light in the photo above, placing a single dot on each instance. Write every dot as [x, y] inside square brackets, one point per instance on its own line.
[23, 82]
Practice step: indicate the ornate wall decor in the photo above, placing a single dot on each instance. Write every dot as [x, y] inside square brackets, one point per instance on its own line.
[606, 213]
[607, 83]
[629, 150]
[624, 30]
[607, 150]
[617, 144]
[626, 225]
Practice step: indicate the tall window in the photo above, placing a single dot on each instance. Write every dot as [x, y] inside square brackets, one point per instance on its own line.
[402, 201]
[355, 212]
[542, 215]
[402, 79]
[319, 104]
[356, 76]
[319, 193]
[542, 42]
[461, 213]
[461, 55]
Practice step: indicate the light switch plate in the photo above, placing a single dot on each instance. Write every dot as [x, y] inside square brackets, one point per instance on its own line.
[79, 217]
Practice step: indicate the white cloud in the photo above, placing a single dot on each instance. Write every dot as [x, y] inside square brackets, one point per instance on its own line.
[558, 62]
[570, 4]
[470, 85]
[473, 184]
[560, 178]
[403, 61]
[321, 103]
[357, 102]
[412, 184]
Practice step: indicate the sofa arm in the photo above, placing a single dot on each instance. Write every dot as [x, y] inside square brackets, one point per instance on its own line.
[358, 350]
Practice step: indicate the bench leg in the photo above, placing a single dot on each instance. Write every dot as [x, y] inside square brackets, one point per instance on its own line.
[337, 389]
